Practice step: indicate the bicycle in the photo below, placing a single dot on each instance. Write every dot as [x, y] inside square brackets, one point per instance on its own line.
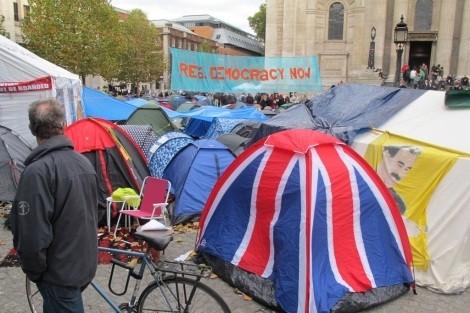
[176, 286]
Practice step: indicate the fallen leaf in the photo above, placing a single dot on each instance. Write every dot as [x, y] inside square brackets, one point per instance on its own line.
[213, 276]
[2, 243]
[132, 263]
[237, 291]
[247, 297]
[179, 239]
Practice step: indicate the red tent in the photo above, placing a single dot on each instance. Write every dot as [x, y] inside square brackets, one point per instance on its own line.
[117, 158]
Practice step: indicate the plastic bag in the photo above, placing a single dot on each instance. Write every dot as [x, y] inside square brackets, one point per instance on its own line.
[120, 193]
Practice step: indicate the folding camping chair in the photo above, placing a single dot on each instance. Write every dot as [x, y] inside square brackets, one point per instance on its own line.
[153, 201]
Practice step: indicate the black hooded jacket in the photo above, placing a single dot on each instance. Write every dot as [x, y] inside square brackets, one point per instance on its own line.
[54, 215]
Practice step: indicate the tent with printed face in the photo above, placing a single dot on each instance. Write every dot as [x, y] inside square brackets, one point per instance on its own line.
[302, 223]
[423, 155]
[13, 151]
[192, 173]
[24, 78]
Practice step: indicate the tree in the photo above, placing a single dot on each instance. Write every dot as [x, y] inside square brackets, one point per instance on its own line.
[81, 36]
[258, 22]
[142, 59]
[3, 31]
[204, 46]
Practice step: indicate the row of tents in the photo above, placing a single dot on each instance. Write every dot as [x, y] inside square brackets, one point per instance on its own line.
[308, 184]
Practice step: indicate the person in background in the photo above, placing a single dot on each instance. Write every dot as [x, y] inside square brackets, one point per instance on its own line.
[402, 83]
[54, 214]
[464, 81]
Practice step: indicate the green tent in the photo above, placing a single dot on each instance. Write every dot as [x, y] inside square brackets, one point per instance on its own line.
[457, 99]
[152, 114]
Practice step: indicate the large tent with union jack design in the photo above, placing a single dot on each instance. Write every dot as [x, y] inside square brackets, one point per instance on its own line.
[300, 222]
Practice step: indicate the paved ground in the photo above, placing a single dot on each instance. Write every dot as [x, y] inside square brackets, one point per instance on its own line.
[13, 299]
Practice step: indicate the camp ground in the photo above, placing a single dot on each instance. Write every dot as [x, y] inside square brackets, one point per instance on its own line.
[275, 168]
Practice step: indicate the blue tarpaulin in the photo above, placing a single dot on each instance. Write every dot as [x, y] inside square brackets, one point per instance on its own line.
[343, 111]
[99, 104]
[207, 113]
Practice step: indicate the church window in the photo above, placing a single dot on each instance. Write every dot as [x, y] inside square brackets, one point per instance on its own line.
[423, 15]
[336, 22]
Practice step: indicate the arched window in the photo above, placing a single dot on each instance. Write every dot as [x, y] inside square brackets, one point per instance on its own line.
[336, 22]
[423, 15]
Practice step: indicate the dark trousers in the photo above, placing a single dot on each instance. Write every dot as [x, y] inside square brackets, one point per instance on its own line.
[60, 299]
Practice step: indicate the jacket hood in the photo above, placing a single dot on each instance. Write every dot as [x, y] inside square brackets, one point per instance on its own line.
[54, 143]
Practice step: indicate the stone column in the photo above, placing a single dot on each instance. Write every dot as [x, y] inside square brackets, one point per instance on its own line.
[446, 33]
[274, 28]
[400, 8]
[463, 68]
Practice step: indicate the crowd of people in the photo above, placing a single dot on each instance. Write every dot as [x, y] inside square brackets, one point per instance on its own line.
[263, 101]
[421, 77]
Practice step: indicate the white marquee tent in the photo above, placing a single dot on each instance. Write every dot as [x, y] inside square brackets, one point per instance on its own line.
[24, 78]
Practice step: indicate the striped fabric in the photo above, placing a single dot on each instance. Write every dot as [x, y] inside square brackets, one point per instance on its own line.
[303, 209]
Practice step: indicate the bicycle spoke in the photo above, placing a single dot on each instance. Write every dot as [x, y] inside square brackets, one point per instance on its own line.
[183, 295]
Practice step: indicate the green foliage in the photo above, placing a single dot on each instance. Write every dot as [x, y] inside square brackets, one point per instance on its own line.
[3, 31]
[258, 22]
[79, 35]
[142, 58]
[204, 46]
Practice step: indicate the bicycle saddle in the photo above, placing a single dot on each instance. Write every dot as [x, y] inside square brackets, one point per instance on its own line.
[155, 241]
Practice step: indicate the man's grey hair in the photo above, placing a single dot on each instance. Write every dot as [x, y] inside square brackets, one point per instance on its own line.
[46, 118]
[392, 150]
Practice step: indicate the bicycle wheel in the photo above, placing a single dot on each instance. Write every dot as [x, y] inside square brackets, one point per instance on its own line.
[34, 297]
[183, 294]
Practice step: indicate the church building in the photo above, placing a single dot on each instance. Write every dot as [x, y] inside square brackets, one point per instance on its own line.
[354, 39]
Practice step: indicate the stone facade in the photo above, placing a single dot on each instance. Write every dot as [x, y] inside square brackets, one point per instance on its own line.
[439, 33]
[14, 12]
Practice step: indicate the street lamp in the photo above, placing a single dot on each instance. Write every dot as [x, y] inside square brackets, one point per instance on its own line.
[401, 38]
[370, 63]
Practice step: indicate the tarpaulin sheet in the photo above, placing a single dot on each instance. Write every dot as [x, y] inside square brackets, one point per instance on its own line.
[348, 109]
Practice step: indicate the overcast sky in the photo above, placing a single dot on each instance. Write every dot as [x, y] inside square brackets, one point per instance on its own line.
[233, 12]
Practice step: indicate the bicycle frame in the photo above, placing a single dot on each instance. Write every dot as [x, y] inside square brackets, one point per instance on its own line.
[146, 263]
[169, 290]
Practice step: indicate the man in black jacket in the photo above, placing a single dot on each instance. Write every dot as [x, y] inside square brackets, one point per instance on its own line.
[54, 214]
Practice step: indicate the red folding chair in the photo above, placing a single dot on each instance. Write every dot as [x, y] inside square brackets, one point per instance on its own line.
[153, 201]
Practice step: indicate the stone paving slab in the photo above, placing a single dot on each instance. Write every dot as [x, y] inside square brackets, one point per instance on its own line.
[13, 298]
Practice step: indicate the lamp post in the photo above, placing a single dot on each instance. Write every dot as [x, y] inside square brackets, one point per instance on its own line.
[371, 62]
[401, 38]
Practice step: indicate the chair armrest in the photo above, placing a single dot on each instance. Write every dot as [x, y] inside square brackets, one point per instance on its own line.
[157, 205]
